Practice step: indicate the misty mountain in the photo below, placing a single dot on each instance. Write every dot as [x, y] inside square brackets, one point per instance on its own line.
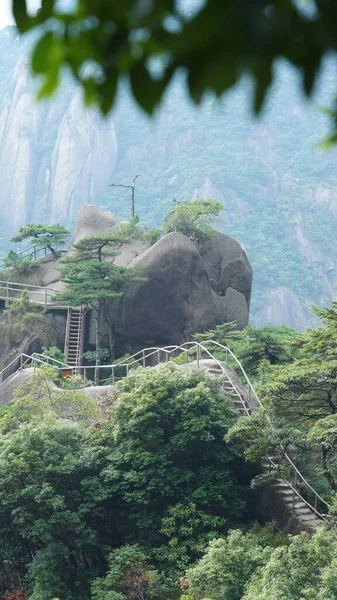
[279, 188]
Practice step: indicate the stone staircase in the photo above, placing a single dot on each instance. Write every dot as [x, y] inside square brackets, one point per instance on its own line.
[294, 503]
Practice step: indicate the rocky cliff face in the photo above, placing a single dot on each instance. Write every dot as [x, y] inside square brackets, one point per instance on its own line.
[185, 289]
[54, 157]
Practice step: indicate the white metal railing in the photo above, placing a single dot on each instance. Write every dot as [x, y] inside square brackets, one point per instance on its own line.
[148, 356]
[24, 360]
[155, 355]
[39, 294]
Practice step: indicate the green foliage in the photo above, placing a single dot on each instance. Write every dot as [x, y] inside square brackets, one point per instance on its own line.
[129, 577]
[321, 341]
[50, 493]
[91, 281]
[17, 261]
[44, 236]
[260, 348]
[214, 58]
[151, 484]
[40, 398]
[305, 389]
[97, 247]
[151, 236]
[22, 317]
[324, 433]
[193, 218]
[91, 355]
[221, 334]
[175, 470]
[228, 564]
[54, 353]
[306, 568]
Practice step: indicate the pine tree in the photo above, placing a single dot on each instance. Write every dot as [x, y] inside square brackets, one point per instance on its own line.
[44, 236]
[91, 280]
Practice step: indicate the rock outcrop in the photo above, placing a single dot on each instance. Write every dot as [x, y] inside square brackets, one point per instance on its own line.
[93, 221]
[83, 159]
[175, 301]
[185, 289]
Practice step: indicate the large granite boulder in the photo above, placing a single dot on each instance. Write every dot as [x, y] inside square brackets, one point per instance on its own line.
[93, 221]
[227, 265]
[183, 292]
[175, 301]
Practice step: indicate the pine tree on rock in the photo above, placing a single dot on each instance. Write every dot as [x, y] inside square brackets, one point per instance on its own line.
[44, 236]
[91, 280]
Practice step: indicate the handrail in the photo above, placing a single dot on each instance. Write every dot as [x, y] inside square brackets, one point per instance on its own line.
[143, 355]
[23, 359]
[35, 250]
[47, 358]
[187, 347]
[44, 294]
[27, 285]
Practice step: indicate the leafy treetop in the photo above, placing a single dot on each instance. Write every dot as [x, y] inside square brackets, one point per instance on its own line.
[193, 218]
[16, 261]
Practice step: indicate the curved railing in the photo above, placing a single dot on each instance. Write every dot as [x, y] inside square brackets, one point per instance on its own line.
[35, 360]
[149, 357]
[153, 355]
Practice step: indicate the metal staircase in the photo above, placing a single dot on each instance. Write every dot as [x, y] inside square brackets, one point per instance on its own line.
[73, 348]
[305, 513]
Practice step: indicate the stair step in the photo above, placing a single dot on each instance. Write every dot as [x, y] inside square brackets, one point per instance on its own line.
[303, 511]
[283, 486]
[308, 518]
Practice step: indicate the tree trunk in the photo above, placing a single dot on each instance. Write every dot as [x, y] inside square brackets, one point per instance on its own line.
[325, 451]
[52, 250]
[111, 337]
[98, 344]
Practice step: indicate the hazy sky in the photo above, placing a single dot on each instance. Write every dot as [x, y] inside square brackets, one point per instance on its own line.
[6, 17]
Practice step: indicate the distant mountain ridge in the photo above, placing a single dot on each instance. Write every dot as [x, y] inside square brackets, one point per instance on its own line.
[279, 190]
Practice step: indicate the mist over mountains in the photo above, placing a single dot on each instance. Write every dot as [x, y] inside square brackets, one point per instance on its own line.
[279, 189]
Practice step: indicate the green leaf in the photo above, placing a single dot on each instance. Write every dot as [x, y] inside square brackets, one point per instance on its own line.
[147, 91]
[42, 52]
[20, 14]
